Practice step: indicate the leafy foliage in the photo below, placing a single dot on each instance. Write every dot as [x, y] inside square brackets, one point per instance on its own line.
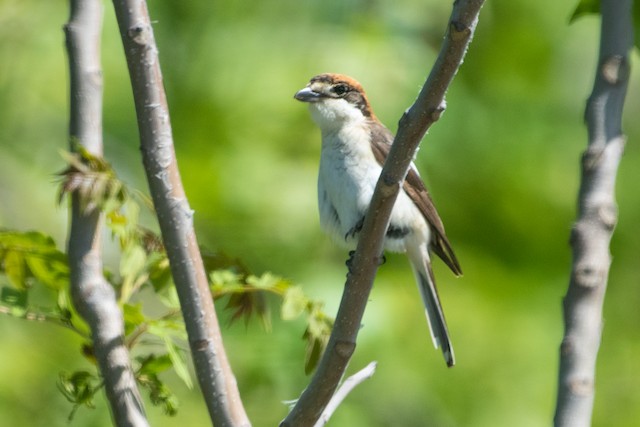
[93, 180]
[147, 375]
[29, 260]
[247, 295]
[79, 388]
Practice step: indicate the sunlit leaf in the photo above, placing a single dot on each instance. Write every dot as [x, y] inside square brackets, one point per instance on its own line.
[133, 317]
[294, 303]
[32, 255]
[267, 280]
[15, 269]
[224, 277]
[51, 270]
[152, 364]
[132, 262]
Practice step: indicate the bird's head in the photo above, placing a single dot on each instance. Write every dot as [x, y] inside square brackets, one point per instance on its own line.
[335, 100]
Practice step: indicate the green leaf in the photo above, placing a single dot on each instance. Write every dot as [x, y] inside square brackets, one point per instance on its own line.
[315, 347]
[585, 7]
[266, 281]
[169, 297]
[132, 262]
[132, 266]
[160, 272]
[220, 278]
[159, 393]
[179, 364]
[16, 299]
[133, 317]
[294, 303]
[78, 388]
[51, 270]
[123, 222]
[15, 269]
[29, 255]
[166, 329]
[153, 364]
[317, 336]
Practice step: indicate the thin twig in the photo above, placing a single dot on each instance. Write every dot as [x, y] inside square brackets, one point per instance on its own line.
[39, 316]
[412, 127]
[347, 386]
[175, 216]
[93, 296]
[597, 217]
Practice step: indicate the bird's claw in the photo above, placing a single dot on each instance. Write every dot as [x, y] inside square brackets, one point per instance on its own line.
[350, 259]
[381, 259]
[355, 229]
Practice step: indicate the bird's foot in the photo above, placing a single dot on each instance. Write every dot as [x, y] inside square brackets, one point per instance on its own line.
[350, 259]
[381, 259]
[355, 229]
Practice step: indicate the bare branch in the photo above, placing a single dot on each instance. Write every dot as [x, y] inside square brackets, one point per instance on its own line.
[349, 384]
[93, 296]
[175, 216]
[413, 125]
[597, 216]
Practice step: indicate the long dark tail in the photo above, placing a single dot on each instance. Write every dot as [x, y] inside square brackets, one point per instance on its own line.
[435, 316]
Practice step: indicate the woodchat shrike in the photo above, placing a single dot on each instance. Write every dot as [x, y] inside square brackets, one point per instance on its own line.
[354, 147]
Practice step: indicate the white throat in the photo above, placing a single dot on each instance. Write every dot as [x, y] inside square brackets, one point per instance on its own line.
[332, 114]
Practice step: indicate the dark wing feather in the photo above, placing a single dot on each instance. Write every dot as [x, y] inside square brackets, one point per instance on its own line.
[381, 139]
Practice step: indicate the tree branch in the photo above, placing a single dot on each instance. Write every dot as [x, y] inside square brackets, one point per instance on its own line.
[412, 127]
[93, 296]
[597, 216]
[349, 384]
[175, 217]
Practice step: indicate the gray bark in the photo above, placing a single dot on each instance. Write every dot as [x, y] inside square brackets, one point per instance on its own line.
[175, 217]
[93, 296]
[597, 217]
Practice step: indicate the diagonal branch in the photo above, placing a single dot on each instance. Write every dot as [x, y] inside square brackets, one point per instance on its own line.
[412, 127]
[175, 217]
[93, 296]
[597, 216]
[347, 387]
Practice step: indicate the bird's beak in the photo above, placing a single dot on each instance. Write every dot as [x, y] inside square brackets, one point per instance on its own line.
[306, 94]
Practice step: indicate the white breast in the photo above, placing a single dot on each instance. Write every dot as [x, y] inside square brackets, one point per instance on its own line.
[347, 178]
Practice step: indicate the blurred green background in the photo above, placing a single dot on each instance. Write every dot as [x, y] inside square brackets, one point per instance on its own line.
[502, 164]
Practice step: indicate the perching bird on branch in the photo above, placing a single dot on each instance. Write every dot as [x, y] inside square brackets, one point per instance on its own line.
[354, 147]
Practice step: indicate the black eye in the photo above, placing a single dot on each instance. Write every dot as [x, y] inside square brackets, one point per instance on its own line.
[340, 89]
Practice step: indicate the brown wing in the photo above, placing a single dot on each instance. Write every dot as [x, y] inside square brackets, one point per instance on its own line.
[381, 139]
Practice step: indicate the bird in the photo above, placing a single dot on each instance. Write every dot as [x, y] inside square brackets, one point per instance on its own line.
[355, 145]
